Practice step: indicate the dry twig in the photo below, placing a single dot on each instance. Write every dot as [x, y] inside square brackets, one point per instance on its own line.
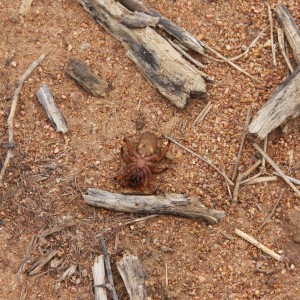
[247, 122]
[202, 158]
[202, 114]
[277, 169]
[10, 120]
[272, 34]
[271, 213]
[257, 244]
[281, 43]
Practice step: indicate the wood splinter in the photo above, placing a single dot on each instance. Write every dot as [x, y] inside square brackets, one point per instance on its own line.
[55, 116]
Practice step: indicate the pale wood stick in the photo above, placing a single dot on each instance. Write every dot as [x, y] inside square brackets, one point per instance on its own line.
[251, 169]
[272, 34]
[108, 269]
[261, 180]
[271, 213]
[281, 43]
[230, 62]
[251, 178]
[277, 169]
[185, 54]
[202, 158]
[247, 122]
[257, 244]
[202, 114]
[291, 179]
[10, 120]
[98, 270]
[250, 46]
[263, 162]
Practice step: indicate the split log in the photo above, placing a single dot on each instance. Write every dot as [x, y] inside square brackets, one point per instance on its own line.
[134, 277]
[164, 67]
[84, 77]
[291, 31]
[99, 278]
[174, 204]
[55, 116]
[282, 105]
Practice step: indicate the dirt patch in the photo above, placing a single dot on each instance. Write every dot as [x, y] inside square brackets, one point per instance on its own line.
[202, 262]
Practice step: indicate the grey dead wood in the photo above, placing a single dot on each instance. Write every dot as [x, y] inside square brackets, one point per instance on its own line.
[282, 106]
[173, 204]
[41, 262]
[57, 228]
[161, 64]
[85, 78]
[98, 270]
[138, 20]
[290, 28]
[108, 270]
[54, 115]
[134, 277]
[284, 103]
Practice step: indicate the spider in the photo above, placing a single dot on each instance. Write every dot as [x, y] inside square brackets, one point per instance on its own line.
[140, 161]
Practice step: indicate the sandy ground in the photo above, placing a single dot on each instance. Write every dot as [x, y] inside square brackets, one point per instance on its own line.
[44, 183]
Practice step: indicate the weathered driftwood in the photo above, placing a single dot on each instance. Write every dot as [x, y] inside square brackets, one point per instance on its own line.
[84, 77]
[98, 270]
[290, 28]
[174, 204]
[283, 104]
[55, 116]
[159, 62]
[134, 277]
[138, 20]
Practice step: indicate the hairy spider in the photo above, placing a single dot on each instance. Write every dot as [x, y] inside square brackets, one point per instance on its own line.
[140, 161]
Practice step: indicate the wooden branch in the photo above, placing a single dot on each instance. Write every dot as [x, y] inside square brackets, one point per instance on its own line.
[134, 277]
[277, 169]
[257, 244]
[174, 204]
[290, 28]
[108, 269]
[139, 20]
[98, 270]
[164, 67]
[10, 120]
[54, 115]
[85, 78]
[282, 105]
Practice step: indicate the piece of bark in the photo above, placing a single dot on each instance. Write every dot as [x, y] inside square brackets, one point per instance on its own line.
[98, 270]
[290, 28]
[174, 204]
[283, 105]
[68, 273]
[139, 20]
[84, 77]
[134, 277]
[176, 31]
[41, 262]
[158, 61]
[55, 116]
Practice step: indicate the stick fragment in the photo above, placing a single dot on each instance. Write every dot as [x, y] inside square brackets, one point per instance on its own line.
[257, 244]
[277, 169]
[108, 269]
[272, 34]
[281, 43]
[202, 158]
[261, 180]
[10, 120]
[247, 122]
[98, 270]
[203, 114]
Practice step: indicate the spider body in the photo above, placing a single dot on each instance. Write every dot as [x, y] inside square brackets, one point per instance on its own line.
[140, 161]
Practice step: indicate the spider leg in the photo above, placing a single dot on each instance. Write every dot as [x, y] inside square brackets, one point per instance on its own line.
[158, 171]
[126, 158]
[131, 151]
